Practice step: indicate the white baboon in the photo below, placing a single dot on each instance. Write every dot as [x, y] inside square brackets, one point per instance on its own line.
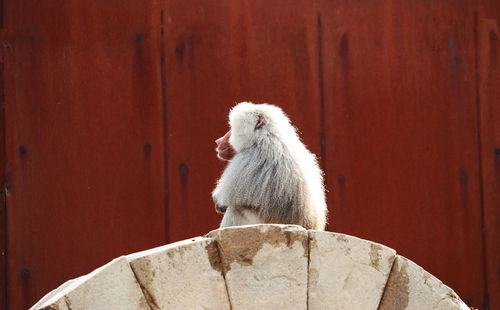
[271, 176]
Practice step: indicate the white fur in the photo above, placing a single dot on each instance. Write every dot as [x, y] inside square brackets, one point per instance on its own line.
[273, 174]
[240, 216]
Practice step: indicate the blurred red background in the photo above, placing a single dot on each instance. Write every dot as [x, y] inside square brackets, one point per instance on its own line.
[110, 110]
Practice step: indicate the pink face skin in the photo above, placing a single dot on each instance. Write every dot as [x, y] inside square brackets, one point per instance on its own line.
[224, 150]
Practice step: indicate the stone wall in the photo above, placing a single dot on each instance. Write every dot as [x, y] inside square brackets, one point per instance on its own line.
[258, 267]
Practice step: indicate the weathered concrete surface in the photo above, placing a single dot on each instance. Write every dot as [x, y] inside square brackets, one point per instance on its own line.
[49, 296]
[182, 275]
[59, 304]
[112, 286]
[346, 272]
[265, 266]
[258, 267]
[411, 287]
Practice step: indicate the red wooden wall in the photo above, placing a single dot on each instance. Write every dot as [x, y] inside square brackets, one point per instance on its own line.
[110, 110]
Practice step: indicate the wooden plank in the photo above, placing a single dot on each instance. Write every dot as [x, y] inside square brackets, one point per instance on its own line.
[3, 193]
[401, 132]
[218, 54]
[489, 97]
[85, 143]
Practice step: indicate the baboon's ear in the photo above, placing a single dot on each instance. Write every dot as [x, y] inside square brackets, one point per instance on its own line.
[260, 122]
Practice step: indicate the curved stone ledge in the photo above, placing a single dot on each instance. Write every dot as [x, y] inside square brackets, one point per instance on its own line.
[346, 272]
[258, 267]
[265, 266]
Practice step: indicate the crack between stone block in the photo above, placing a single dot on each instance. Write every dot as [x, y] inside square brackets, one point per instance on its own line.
[386, 281]
[224, 274]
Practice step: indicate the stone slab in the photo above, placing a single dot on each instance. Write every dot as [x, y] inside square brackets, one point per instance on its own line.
[49, 296]
[182, 275]
[411, 287]
[346, 272]
[265, 266]
[112, 286]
